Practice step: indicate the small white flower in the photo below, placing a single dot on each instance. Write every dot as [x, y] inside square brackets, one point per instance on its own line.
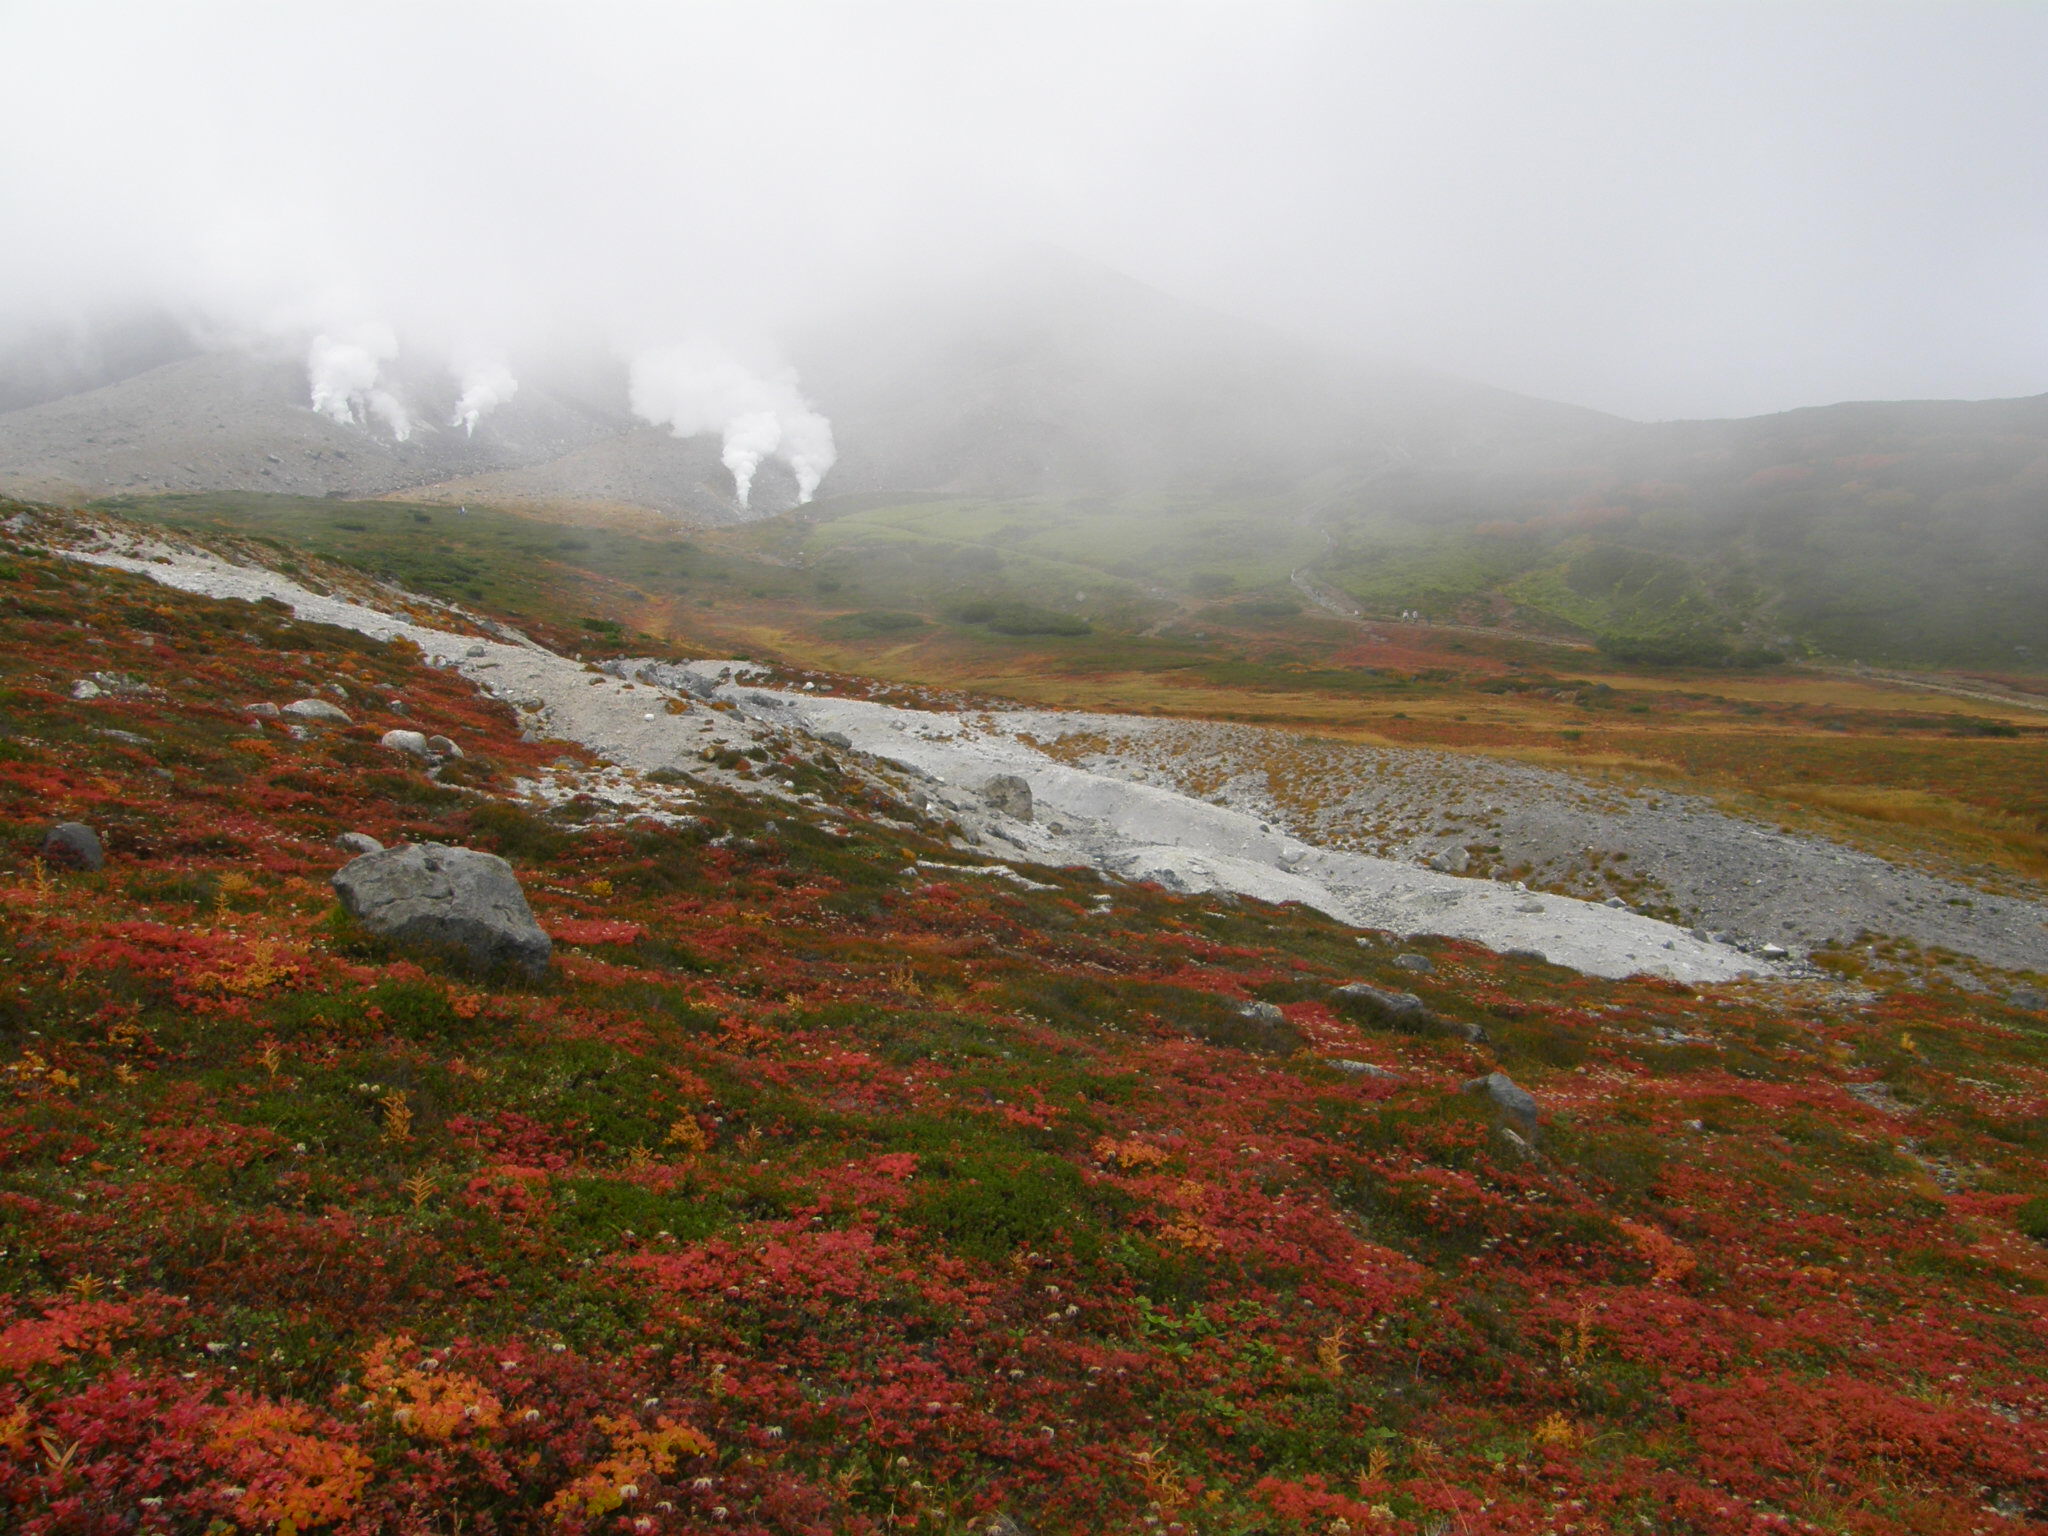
[532, 1415]
[629, 1491]
[702, 1484]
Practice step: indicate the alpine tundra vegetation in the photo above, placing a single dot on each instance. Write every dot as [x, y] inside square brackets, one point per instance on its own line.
[837, 1174]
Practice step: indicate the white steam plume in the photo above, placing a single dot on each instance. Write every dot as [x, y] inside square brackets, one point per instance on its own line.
[485, 387]
[755, 415]
[344, 372]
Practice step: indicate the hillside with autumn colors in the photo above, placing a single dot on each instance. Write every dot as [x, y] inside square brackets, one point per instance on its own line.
[827, 1183]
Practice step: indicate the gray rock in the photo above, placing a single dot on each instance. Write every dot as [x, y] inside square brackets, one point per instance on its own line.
[1358, 1068]
[1774, 951]
[1008, 793]
[1403, 1010]
[268, 711]
[1003, 1523]
[1262, 1013]
[1508, 1096]
[104, 684]
[318, 709]
[398, 706]
[358, 842]
[446, 898]
[73, 845]
[1419, 963]
[410, 742]
[2033, 999]
[441, 746]
[1877, 1096]
[837, 739]
[127, 738]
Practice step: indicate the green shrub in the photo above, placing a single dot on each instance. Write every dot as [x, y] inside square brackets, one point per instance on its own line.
[2032, 1218]
[1007, 616]
[864, 626]
[986, 1207]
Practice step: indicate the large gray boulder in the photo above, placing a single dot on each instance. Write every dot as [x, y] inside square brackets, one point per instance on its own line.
[1509, 1097]
[1010, 794]
[413, 743]
[73, 845]
[446, 898]
[1369, 1004]
[318, 709]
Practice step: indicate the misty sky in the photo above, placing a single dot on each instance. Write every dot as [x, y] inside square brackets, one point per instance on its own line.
[1658, 209]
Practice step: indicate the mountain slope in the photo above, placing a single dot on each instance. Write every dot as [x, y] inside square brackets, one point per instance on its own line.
[831, 1181]
[1047, 376]
[1903, 531]
[233, 420]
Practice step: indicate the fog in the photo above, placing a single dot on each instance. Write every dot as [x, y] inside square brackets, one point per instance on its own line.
[1658, 210]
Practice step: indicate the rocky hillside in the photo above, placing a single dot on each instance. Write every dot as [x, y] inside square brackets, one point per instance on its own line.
[230, 419]
[832, 1176]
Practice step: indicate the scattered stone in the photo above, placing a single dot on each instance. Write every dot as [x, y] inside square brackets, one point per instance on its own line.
[73, 845]
[131, 738]
[1508, 1096]
[1420, 963]
[1454, 861]
[1009, 794]
[1617, 903]
[398, 706]
[102, 685]
[358, 842]
[441, 746]
[447, 898]
[1003, 1523]
[268, 711]
[1358, 1068]
[1401, 1010]
[1258, 1027]
[837, 739]
[1774, 951]
[1877, 1096]
[2033, 999]
[318, 709]
[409, 742]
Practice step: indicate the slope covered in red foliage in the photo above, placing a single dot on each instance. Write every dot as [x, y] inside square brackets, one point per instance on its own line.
[809, 1193]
